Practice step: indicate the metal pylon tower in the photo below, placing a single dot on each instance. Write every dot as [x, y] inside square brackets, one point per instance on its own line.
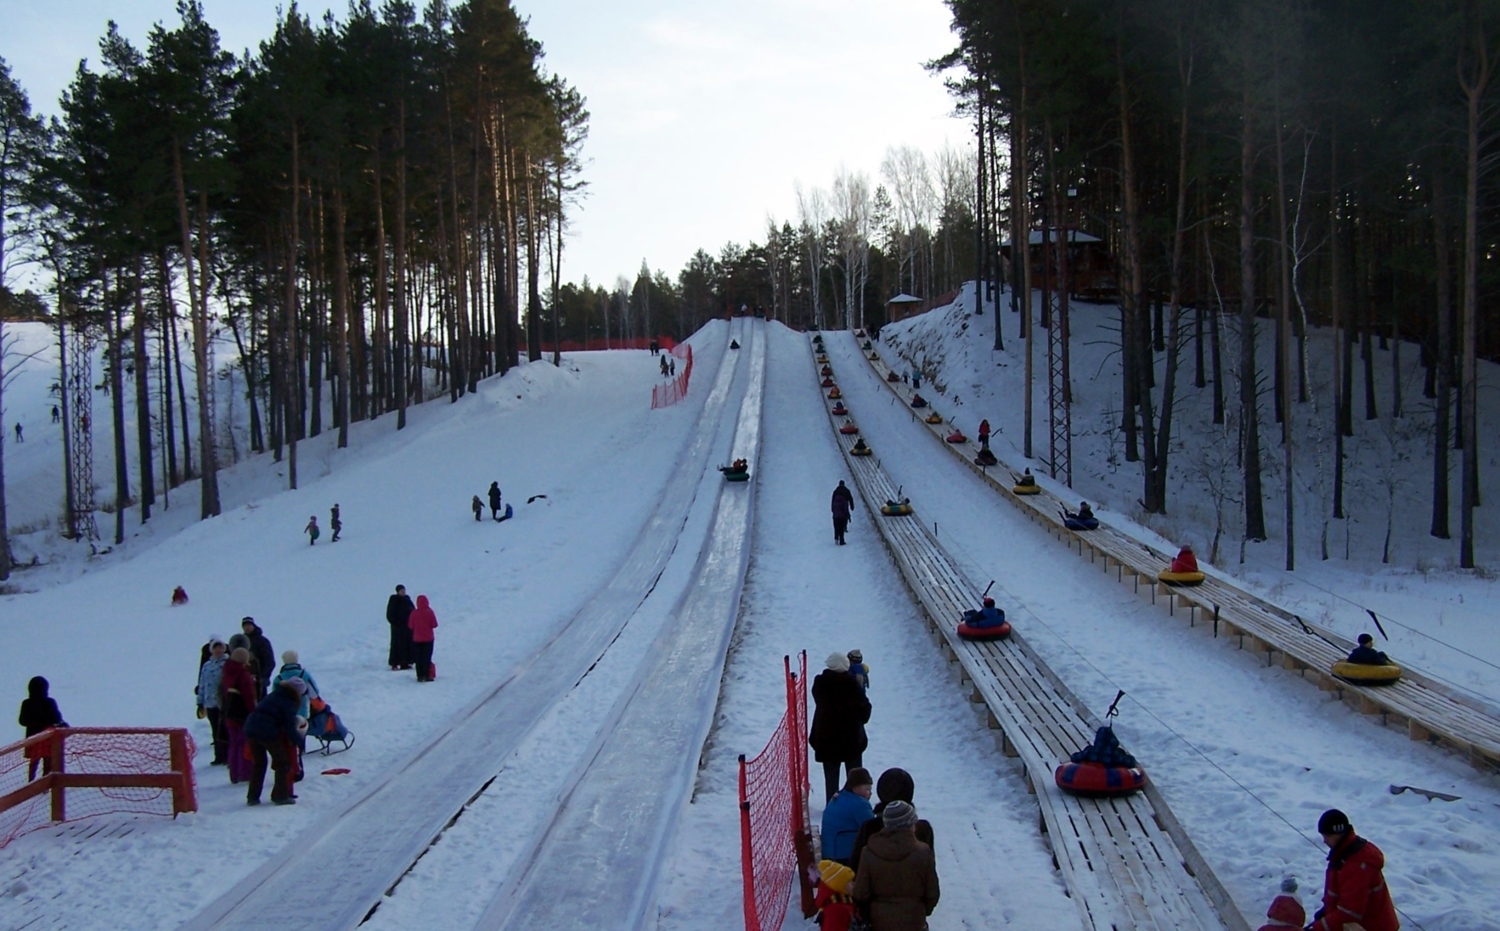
[1059, 383]
[80, 389]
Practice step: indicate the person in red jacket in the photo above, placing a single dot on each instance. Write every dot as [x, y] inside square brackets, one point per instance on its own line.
[1354, 890]
[237, 694]
[423, 622]
[1185, 561]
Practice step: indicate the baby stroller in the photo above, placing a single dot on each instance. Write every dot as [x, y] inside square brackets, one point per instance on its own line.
[327, 728]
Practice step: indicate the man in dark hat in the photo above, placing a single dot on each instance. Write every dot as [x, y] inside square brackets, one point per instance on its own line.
[1354, 890]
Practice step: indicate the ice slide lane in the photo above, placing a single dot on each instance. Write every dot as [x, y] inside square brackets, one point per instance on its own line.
[1430, 711]
[597, 864]
[336, 872]
[1126, 861]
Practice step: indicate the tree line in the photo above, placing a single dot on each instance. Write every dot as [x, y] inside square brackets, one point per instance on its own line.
[366, 207]
[853, 245]
[1254, 165]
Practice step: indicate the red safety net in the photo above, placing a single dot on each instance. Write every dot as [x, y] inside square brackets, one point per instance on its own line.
[73, 773]
[665, 395]
[773, 810]
[664, 343]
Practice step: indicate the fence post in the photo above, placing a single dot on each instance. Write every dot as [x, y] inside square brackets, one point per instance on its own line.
[56, 756]
[184, 799]
[747, 861]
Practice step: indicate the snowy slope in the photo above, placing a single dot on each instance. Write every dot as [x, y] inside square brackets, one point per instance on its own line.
[1247, 756]
[1439, 619]
[116, 654]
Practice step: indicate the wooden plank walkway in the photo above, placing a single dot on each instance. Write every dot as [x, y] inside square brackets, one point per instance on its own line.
[1127, 862]
[1430, 711]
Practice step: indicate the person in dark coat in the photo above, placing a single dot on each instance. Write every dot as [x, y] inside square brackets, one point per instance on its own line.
[843, 503]
[271, 731]
[264, 653]
[335, 523]
[838, 725]
[237, 698]
[845, 814]
[1365, 654]
[477, 507]
[495, 500]
[397, 611]
[896, 885]
[39, 713]
[1354, 889]
[423, 623]
[894, 785]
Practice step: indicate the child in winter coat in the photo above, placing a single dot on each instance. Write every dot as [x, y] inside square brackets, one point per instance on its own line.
[859, 669]
[1366, 654]
[1185, 561]
[834, 903]
[1285, 910]
[477, 507]
[311, 530]
[39, 713]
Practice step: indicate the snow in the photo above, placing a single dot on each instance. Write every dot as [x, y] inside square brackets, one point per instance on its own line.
[1246, 755]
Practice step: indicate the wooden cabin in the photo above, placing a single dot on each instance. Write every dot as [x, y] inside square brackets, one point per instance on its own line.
[1091, 269]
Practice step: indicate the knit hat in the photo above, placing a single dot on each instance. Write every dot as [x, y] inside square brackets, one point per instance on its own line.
[855, 656]
[1365, 638]
[289, 656]
[1285, 909]
[295, 684]
[214, 640]
[240, 655]
[838, 662]
[895, 784]
[898, 814]
[1334, 821]
[989, 602]
[836, 876]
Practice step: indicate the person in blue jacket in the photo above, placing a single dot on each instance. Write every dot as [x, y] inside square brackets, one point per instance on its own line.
[846, 812]
[271, 731]
[988, 616]
[1365, 654]
[292, 669]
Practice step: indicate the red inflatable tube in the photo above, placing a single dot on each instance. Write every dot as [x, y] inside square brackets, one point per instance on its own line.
[1096, 779]
[984, 633]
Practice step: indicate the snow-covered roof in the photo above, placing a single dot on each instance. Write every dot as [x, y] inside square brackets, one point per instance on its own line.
[1035, 237]
[904, 298]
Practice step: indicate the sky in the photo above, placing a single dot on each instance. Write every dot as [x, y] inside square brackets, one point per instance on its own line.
[704, 115]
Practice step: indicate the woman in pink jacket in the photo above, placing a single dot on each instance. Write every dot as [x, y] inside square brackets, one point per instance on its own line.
[422, 623]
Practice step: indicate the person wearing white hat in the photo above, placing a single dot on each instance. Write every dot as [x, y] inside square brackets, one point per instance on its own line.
[839, 718]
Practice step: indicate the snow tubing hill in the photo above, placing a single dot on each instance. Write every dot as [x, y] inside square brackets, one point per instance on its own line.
[998, 632]
[1181, 578]
[1096, 779]
[1367, 673]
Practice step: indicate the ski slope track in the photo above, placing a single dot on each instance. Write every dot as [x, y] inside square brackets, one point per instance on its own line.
[599, 860]
[335, 874]
[1430, 711]
[1126, 861]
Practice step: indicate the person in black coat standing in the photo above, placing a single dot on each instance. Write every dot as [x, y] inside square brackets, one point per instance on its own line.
[397, 611]
[838, 724]
[843, 503]
[38, 714]
[264, 653]
[495, 500]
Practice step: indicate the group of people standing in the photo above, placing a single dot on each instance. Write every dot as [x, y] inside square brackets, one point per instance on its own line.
[878, 861]
[257, 720]
[413, 628]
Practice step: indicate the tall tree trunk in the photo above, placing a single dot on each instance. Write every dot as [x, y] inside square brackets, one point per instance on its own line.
[1284, 340]
[198, 307]
[398, 308]
[143, 397]
[1473, 78]
[114, 315]
[1340, 338]
[1255, 515]
[5, 555]
[1134, 346]
[292, 379]
[1174, 312]
[533, 295]
[340, 338]
[1442, 362]
[317, 306]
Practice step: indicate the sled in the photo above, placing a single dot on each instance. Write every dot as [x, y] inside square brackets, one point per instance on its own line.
[1367, 673]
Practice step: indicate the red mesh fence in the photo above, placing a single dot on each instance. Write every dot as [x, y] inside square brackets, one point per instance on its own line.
[665, 343]
[73, 773]
[773, 810]
[665, 395]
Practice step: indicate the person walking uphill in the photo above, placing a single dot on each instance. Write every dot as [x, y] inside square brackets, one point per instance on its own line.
[312, 530]
[423, 623]
[843, 504]
[1354, 889]
[397, 612]
[335, 523]
[838, 725]
[896, 885]
[39, 713]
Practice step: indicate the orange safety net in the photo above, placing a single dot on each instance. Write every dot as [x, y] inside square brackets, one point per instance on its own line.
[773, 798]
[70, 774]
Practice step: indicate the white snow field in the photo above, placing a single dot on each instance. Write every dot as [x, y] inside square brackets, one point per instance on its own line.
[557, 773]
[1247, 756]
